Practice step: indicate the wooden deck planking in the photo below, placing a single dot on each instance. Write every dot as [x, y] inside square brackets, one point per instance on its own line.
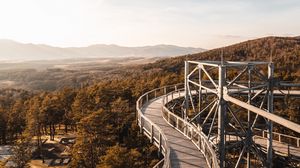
[279, 148]
[183, 153]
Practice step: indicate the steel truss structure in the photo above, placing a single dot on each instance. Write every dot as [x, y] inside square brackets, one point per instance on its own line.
[231, 102]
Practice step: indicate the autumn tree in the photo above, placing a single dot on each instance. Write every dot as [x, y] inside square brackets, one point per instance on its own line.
[66, 98]
[95, 133]
[16, 119]
[34, 120]
[3, 126]
[121, 116]
[120, 157]
[53, 111]
[21, 153]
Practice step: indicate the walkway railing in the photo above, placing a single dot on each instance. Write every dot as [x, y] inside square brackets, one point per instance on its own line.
[282, 138]
[187, 129]
[151, 130]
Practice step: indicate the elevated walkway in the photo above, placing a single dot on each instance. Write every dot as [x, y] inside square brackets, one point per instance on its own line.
[183, 153]
[181, 142]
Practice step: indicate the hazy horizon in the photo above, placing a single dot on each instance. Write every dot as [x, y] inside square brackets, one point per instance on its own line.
[193, 23]
[14, 51]
[92, 44]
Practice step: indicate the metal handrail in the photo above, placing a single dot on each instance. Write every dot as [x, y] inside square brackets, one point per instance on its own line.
[199, 139]
[279, 137]
[151, 130]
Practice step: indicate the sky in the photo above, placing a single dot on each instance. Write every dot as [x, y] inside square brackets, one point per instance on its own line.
[197, 23]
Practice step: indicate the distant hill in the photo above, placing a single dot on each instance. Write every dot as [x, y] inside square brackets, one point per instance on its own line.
[15, 51]
[283, 51]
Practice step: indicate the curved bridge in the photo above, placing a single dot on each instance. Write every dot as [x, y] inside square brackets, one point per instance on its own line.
[184, 144]
[177, 145]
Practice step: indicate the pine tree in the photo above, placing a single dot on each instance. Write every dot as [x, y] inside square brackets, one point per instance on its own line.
[21, 153]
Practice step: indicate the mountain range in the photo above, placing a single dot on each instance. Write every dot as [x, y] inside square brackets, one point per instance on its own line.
[15, 51]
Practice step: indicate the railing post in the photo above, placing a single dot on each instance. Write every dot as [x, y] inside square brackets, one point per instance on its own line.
[167, 99]
[142, 125]
[184, 128]
[199, 145]
[165, 90]
[175, 87]
[298, 143]
[279, 137]
[155, 94]
[137, 117]
[288, 150]
[151, 140]
[159, 142]
[147, 98]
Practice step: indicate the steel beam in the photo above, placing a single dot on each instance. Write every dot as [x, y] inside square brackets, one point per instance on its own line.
[284, 122]
[221, 117]
[270, 110]
[186, 88]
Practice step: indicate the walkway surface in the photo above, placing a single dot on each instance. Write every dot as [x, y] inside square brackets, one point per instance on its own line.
[183, 153]
[279, 148]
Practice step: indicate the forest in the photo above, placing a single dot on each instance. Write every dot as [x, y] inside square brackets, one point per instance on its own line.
[102, 114]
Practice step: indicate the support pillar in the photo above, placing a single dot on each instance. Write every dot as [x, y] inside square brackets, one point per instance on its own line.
[186, 82]
[270, 110]
[200, 88]
[249, 130]
[221, 117]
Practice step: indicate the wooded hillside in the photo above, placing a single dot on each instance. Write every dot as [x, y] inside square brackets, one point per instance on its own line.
[283, 51]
